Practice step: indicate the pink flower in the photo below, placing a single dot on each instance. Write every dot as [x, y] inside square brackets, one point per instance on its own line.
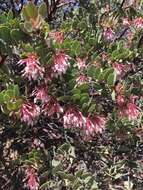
[129, 110]
[132, 111]
[119, 68]
[104, 56]
[126, 22]
[120, 100]
[32, 178]
[89, 127]
[95, 124]
[81, 63]
[82, 79]
[61, 63]
[32, 69]
[29, 113]
[138, 22]
[108, 33]
[73, 119]
[52, 107]
[40, 93]
[58, 36]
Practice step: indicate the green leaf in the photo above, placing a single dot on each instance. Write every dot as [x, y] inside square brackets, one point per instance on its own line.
[97, 72]
[18, 104]
[113, 95]
[92, 108]
[5, 34]
[6, 98]
[91, 71]
[28, 27]
[57, 169]
[85, 106]
[55, 163]
[87, 179]
[94, 186]
[11, 106]
[16, 90]
[107, 72]
[83, 87]
[9, 15]
[1, 97]
[84, 98]
[76, 97]
[65, 147]
[111, 79]
[17, 35]
[30, 11]
[79, 173]
[43, 10]
[10, 93]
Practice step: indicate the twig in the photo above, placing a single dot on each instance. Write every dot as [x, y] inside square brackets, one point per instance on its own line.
[13, 8]
[52, 12]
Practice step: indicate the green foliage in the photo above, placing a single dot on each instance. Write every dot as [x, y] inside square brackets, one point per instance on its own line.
[89, 62]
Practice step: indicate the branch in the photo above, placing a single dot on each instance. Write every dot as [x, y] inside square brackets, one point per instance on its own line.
[53, 11]
[2, 59]
[13, 8]
[122, 4]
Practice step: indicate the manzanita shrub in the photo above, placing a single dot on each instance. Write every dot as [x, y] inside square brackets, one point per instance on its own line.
[71, 78]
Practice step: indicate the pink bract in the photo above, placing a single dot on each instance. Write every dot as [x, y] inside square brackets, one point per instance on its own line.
[40, 93]
[60, 63]
[81, 63]
[32, 70]
[57, 36]
[29, 113]
[108, 33]
[73, 119]
[32, 178]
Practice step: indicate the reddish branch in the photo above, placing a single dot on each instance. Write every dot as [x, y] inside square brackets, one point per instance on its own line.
[2, 59]
[51, 10]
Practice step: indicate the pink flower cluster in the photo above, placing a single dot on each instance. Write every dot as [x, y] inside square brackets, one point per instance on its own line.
[137, 22]
[81, 63]
[52, 107]
[41, 93]
[108, 33]
[60, 63]
[73, 118]
[32, 69]
[95, 124]
[82, 79]
[29, 113]
[129, 109]
[57, 36]
[32, 179]
[89, 125]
